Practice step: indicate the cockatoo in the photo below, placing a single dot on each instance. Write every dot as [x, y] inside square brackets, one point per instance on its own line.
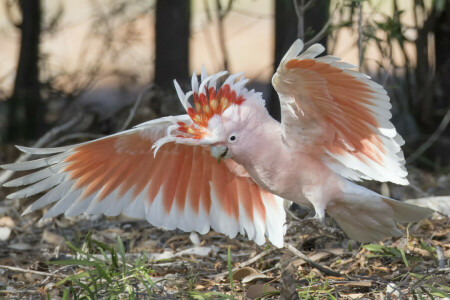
[228, 165]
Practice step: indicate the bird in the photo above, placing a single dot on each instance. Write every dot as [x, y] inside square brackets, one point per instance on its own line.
[228, 165]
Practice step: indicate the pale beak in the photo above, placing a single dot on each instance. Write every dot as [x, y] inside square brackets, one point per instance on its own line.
[219, 151]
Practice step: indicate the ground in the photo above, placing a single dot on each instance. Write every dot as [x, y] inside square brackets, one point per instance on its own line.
[100, 257]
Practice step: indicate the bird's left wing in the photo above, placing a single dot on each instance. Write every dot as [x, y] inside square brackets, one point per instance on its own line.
[338, 115]
[183, 186]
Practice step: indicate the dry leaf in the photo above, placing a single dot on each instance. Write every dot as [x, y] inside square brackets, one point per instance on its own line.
[53, 238]
[5, 232]
[6, 221]
[258, 290]
[362, 283]
[248, 275]
[244, 272]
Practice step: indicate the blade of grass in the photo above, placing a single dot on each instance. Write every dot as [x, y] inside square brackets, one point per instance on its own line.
[230, 268]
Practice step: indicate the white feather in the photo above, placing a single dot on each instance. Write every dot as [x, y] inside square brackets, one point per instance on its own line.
[39, 187]
[35, 164]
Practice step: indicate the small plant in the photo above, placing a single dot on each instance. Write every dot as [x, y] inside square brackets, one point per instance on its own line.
[315, 289]
[389, 252]
[106, 273]
[230, 268]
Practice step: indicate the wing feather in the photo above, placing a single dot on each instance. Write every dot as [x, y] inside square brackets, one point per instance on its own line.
[338, 115]
[182, 187]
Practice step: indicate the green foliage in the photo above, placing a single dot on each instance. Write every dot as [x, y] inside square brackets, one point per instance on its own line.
[230, 269]
[315, 289]
[420, 289]
[389, 252]
[102, 271]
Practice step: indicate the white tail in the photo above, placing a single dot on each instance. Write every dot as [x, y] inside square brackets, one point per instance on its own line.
[366, 216]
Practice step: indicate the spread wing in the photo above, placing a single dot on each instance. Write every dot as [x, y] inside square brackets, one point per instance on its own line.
[339, 115]
[182, 187]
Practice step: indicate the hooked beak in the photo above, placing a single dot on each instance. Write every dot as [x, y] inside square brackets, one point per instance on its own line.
[219, 152]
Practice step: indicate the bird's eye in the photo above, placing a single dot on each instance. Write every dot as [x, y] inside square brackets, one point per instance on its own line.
[232, 138]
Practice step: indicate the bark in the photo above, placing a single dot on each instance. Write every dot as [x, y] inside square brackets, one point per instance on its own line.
[26, 111]
[286, 27]
[172, 41]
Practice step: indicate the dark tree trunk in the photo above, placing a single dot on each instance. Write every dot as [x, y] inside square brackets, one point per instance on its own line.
[25, 107]
[285, 35]
[286, 24]
[315, 18]
[442, 38]
[172, 41]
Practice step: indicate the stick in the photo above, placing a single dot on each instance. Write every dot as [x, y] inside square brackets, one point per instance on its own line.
[319, 267]
[135, 107]
[360, 37]
[245, 263]
[16, 269]
[78, 135]
[441, 128]
[45, 139]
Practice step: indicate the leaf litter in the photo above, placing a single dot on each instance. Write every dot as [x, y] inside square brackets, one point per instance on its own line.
[96, 257]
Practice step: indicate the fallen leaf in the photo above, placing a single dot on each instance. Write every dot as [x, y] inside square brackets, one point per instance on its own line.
[258, 290]
[52, 238]
[392, 290]
[5, 232]
[20, 246]
[362, 283]
[244, 272]
[6, 221]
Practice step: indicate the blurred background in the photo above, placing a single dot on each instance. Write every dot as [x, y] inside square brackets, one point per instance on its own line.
[73, 70]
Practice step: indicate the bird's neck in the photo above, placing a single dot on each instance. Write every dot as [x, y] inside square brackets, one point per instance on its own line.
[267, 153]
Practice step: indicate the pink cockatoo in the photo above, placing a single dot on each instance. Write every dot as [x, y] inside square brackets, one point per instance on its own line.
[228, 165]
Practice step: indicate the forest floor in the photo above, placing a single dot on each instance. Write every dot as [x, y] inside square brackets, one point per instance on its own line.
[95, 258]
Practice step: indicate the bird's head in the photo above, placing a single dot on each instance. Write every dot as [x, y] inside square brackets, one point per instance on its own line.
[223, 118]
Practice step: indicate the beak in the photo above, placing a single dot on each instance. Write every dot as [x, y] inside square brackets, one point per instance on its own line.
[219, 152]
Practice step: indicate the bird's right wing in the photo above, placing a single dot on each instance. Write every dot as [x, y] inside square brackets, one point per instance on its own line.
[183, 186]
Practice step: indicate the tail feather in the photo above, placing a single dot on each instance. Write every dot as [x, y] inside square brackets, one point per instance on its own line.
[366, 216]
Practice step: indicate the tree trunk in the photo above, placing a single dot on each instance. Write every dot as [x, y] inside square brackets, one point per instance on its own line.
[26, 111]
[285, 35]
[172, 41]
[286, 24]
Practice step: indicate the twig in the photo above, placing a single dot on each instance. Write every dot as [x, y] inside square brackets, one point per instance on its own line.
[319, 267]
[16, 269]
[221, 14]
[73, 136]
[361, 55]
[440, 257]
[135, 107]
[245, 263]
[300, 12]
[319, 35]
[433, 138]
[45, 139]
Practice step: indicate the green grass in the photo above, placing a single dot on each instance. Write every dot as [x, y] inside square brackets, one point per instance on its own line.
[105, 275]
[420, 289]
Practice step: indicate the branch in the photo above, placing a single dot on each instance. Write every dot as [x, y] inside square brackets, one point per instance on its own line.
[300, 12]
[312, 263]
[360, 31]
[319, 35]
[45, 139]
[16, 269]
[245, 263]
[135, 107]
[73, 136]
[221, 14]
[433, 138]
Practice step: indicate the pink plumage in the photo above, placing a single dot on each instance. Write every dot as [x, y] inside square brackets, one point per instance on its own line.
[228, 164]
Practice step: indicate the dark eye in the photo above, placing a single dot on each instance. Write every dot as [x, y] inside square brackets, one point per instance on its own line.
[232, 138]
